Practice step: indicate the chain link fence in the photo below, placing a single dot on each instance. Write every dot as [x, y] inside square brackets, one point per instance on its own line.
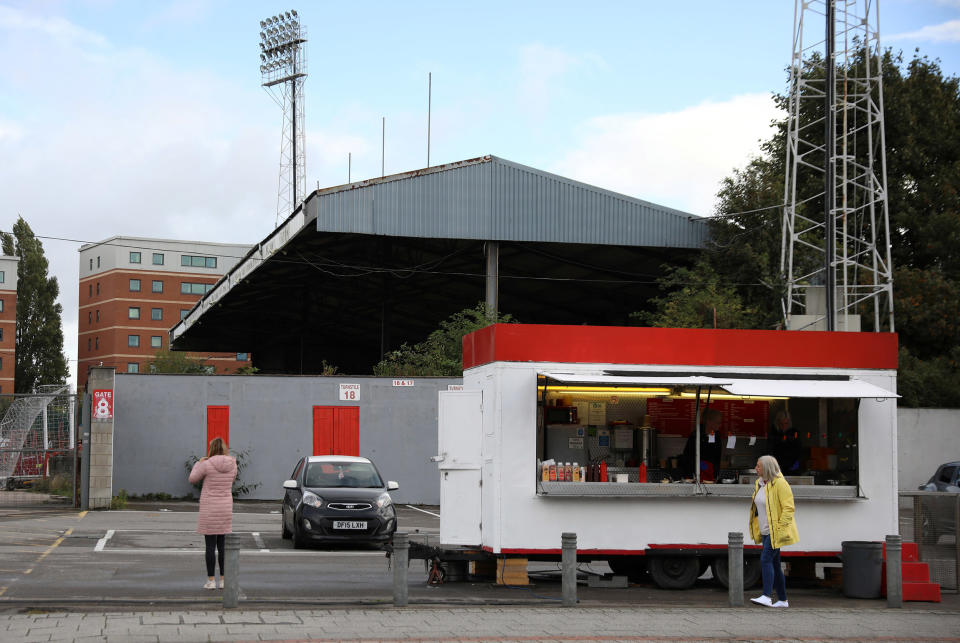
[38, 448]
[929, 518]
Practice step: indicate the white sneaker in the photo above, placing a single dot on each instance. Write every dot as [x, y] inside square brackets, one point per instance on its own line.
[781, 604]
[221, 584]
[762, 600]
[210, 584]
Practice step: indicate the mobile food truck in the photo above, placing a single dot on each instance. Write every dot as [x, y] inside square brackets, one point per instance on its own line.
[588, 429]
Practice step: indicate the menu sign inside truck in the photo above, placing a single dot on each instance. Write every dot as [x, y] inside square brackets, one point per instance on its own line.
[673, 416]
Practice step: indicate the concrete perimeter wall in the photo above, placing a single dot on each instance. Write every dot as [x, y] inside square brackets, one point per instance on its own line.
[926, 439]
[161, 420]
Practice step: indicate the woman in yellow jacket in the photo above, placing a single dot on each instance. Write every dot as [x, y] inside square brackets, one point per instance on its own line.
[772, 523]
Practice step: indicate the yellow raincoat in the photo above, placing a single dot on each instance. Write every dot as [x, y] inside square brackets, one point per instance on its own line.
[780, 509]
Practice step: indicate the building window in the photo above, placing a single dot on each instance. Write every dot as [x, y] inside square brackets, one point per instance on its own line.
[89, 318]
[156, 341]
[133, 367]
[98, 262]
[96, 343]
[183, 313]
[98, 315]
[1, 363]
[89, 344]
[98, 287]
[157, 286]
[156, 314]
[242, 357]
[189, 288]
[134, 285]
[3, 276]
[91, 263]
[198, 262]
[133, 312]
[133, 341]
[1, 334]
[1, 305]
[134, 257]
[158, 258]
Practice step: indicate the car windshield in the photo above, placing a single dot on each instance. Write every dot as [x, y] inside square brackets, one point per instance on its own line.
[342, 474]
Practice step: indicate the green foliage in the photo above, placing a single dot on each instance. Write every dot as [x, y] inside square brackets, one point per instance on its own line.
[167, 361]
[247, 370]
[56, 485]
[40, 358]
[240, 488]
[696, 299]
[441, 353]
[931, 382]
[119, 501]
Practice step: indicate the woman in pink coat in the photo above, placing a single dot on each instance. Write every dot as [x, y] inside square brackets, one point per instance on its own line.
[217, 471]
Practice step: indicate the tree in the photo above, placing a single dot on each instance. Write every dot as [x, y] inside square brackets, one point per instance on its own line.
[167, 361]
[441, 353]
[922, 128]
[40, 357]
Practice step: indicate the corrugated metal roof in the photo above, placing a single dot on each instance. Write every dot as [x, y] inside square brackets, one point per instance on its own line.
[490, 198]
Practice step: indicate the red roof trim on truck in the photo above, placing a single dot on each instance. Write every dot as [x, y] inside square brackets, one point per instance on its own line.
[678, 346]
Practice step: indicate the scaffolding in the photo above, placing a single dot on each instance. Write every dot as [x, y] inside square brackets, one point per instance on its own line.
[34, 428]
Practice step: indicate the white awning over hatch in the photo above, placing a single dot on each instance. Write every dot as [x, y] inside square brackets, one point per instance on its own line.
[851, 388]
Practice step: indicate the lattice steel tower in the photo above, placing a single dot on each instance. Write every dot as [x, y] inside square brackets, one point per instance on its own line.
[283, 70]
[836, 232]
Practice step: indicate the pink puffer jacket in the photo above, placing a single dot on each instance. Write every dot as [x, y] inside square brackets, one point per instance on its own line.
[216, 499]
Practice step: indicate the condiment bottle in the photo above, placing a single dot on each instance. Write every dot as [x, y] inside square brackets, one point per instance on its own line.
[576, 472]
[603, 472]
[545, 473]
[553, 473]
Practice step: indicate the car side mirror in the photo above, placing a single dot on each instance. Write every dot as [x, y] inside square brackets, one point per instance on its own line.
[290, 484]
[391, 485]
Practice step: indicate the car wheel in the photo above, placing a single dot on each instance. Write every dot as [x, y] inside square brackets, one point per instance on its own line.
[299, 542]
[284, 532]
[751, 571]
[674, 572]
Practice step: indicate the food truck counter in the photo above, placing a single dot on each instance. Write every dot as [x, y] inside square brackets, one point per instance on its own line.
[680, 490]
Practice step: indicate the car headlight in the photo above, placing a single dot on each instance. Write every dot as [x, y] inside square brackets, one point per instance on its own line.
[312, 499]
[384, 501]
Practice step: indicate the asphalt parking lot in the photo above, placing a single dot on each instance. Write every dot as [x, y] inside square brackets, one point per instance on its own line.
[149, 556]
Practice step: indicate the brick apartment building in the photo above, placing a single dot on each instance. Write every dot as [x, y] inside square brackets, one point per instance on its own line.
[8, 322]
[133, 290]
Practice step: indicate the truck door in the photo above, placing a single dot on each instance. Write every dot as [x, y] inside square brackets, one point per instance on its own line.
[460, 432]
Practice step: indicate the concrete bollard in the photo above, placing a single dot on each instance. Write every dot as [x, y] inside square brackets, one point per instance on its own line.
[894, 572]
[401, 556]
[568, 566]
[231, 570]
[735, 568]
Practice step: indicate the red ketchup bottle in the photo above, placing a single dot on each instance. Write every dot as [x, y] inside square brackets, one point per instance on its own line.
[603, 472]
[642, 474]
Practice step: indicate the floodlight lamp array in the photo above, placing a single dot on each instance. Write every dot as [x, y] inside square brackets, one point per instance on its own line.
[280, 39]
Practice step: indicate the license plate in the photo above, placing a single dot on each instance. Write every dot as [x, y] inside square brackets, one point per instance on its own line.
[349, 524]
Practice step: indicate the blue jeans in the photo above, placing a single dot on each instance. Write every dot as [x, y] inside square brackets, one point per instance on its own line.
[771, 571]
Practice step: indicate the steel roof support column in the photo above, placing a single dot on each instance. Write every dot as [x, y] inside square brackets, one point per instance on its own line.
[492, 249]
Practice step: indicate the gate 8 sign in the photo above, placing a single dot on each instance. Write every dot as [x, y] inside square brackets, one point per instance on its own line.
[350, 392]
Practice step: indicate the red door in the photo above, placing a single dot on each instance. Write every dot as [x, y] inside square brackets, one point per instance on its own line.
[218, 424]
[336, 430]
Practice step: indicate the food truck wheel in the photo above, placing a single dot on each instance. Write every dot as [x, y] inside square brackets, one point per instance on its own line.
[751, 571]
[674, 572]
[633, 567]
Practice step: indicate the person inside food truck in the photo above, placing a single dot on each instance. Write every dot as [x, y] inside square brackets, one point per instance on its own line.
[711, 445]
[783, 443]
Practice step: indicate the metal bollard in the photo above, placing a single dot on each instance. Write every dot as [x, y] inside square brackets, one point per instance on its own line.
[568, 566]
[735, 568]
[401, 556]
[231, 570]
[894, 572]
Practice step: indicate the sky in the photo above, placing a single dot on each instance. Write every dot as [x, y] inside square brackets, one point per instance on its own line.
[123, 117]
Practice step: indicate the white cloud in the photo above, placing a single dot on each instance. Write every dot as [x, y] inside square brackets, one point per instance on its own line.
[56, 28]
[542, 68]
[676, 159]
[946, 32]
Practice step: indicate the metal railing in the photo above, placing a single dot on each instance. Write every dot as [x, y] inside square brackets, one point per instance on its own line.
[930, 518]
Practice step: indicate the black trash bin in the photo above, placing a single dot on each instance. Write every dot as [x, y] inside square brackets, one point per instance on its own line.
[862, 568]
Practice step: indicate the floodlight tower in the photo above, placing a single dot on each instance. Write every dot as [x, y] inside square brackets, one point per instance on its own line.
[283, 70]
[835, 257]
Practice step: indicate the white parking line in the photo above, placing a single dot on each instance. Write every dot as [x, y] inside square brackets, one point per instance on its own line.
[103, 541]
[257, 539]
[423, 510]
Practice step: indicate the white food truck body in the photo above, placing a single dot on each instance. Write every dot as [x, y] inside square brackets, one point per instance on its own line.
[492, 492]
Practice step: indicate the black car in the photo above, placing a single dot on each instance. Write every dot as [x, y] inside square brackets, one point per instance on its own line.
[337, 499]
[937, 515]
